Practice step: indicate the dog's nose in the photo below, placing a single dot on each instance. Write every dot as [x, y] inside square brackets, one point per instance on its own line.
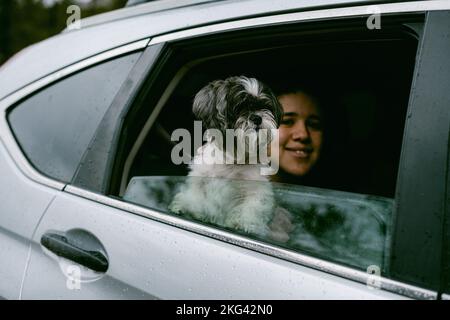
[256, 119]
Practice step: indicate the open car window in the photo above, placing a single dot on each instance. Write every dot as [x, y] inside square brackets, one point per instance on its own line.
[345, 214]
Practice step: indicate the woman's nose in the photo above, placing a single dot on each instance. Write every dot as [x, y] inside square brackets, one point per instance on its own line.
[300, 132]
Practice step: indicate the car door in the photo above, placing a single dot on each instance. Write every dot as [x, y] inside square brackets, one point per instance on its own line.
[93, 245]
[23, 203]
[133, 252]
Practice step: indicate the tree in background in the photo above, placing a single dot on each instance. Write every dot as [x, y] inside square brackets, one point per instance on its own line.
[24, 22]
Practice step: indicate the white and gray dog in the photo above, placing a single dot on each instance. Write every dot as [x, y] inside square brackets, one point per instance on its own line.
[214, 190]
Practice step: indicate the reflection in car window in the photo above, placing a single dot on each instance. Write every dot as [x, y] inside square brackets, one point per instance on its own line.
[55, 126]
[340, 226]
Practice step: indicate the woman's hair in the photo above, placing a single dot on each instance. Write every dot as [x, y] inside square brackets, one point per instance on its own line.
[306, 89]
[298, 87]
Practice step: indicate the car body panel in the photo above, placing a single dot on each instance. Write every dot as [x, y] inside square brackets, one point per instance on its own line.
[166, 262]
[18, 220]
[233, 9]
[70, 47]
[422, 189]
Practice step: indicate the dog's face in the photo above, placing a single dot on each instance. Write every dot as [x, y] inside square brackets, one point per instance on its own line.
[239, 103]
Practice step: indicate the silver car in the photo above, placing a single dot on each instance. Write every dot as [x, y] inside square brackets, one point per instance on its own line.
[86, 128]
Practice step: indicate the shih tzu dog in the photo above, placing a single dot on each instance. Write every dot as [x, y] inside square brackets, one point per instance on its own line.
[224, 186]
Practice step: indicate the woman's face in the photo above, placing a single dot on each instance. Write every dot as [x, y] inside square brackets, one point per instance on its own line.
[301, 134]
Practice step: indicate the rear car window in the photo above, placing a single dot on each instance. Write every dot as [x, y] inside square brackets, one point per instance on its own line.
[55, 126]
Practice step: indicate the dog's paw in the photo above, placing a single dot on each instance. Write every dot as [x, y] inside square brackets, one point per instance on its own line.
[238, 222]
[257, 229]
[175, 207]
[281, 225]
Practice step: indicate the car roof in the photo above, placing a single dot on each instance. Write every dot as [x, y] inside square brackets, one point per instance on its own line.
[109, 30]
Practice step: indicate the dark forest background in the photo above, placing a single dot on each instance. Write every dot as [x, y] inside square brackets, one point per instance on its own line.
[24, 22]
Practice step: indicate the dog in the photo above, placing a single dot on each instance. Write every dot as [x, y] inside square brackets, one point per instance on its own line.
[231, 193]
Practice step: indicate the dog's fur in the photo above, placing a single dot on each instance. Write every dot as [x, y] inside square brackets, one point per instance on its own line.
[216, 192]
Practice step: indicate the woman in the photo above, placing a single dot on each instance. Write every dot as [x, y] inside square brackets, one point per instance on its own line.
[301, 144]
[301, 138]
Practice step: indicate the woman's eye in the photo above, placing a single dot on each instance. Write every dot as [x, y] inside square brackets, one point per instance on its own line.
[314, 124]
[287, 122]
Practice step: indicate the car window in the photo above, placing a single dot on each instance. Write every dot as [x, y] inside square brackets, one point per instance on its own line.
[55, 125]
[341, 213]
[345, 227]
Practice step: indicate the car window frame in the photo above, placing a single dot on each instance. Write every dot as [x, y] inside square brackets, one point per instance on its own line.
[438, 70]
[172, 46]
[94, 169]
[414, 230]
[18, 114]
[445, 291]
[7, 103]
[162, 46]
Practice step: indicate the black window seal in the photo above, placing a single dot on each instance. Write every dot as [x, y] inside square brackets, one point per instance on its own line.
[445, 279]
[421, 185]
[444, 293]
[94, 170]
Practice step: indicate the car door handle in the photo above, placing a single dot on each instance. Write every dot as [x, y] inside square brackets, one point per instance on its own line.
[62, 247]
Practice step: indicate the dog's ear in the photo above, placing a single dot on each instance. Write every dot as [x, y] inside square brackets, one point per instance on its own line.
[277, 109]
[206, 105]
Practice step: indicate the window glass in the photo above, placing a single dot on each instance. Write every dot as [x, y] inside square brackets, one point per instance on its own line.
[345, 227]
[346, 99]
[55, 126]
